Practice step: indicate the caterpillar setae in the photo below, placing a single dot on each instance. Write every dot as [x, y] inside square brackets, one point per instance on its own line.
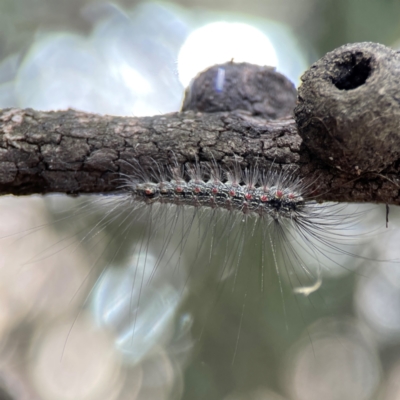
[273, 200]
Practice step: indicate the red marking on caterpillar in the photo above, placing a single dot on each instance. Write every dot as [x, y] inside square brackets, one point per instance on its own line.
[242, 191]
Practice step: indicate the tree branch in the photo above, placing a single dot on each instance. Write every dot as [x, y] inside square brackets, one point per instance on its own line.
[75, 152]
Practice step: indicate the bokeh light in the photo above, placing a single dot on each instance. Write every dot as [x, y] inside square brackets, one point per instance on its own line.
[140, 309]
[77, 364]
[336, 361]
[220, 42]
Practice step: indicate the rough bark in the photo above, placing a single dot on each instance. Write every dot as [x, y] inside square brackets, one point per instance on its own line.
[348, 111]
[75, 152]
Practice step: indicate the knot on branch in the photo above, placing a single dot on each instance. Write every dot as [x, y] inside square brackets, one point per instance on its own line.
[262, 91]
[348, 111]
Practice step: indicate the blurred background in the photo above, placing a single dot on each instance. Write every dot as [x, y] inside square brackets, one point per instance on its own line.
[99, 302]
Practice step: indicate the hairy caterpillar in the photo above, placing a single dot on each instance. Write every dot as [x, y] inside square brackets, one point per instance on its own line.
[173, 234]
[277, 201]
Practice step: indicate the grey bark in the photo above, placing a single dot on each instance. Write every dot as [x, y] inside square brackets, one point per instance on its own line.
[349, 107]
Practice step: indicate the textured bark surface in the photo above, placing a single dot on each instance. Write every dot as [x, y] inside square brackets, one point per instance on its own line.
[349, 107]
[262, 91]
[75, 152]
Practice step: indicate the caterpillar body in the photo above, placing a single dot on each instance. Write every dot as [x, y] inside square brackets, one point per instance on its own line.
[271, 195]
[268, 199]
